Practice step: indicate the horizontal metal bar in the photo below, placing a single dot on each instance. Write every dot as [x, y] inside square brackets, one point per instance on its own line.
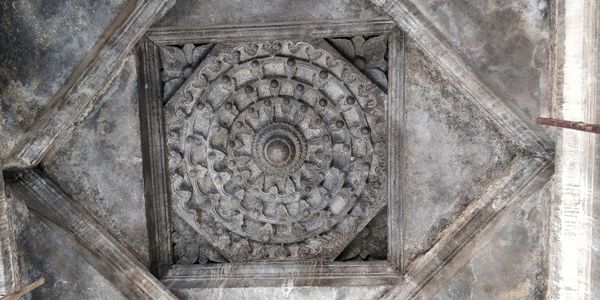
[581, 126]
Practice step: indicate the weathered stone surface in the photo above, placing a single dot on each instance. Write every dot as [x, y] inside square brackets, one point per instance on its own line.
[371, 243]
[595, 272]
[513, 264]
[100, 166]
[507, 42]
[281, 274]
[189, 247]
[49, 254]
[217, 12]
[107, 255]
[42, 43]
[460, 72]
[575, 232]
[452, 153]
[300, 293]
[9, 269]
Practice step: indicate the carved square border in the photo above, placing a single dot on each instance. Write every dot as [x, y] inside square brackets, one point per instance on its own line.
[335, 273]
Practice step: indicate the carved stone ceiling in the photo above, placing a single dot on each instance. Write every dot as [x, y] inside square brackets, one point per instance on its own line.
[351, 152]
[277, 151]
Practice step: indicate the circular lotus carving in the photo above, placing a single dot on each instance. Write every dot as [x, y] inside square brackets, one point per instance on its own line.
[277, 151]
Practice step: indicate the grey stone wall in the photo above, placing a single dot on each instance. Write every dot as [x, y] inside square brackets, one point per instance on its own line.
[48, 253]
[514, 263]
[216, 12]
[452, 153]
[42, 44]
[507, 42]
[100, 166]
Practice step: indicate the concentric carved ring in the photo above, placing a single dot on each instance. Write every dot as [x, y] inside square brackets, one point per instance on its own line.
[278, 150]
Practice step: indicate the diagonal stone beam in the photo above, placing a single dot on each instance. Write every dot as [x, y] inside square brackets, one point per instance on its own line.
[466, 253]
[9, 269]
[93, 242]
[458, 71]
[526, 176]
[87, 82]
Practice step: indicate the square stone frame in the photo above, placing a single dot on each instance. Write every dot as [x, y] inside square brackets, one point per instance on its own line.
[265, 274]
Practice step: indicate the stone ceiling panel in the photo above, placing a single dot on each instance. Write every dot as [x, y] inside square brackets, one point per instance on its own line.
[452, 151]
[507, 42]
[49, 253]
[42, 43]
[513, 264]
[218, 12]
[279, 150]
[100, 165]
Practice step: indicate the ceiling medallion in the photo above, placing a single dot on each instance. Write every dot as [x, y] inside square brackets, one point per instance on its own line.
[277, 151]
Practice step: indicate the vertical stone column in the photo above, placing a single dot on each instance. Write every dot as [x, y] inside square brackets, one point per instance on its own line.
[9, 272]
[575, 239]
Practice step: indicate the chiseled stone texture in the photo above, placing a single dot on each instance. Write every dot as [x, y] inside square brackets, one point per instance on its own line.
[308, 171]
[49, 253]
[371, 243]
[507, 42]
[42, 41]
[513, 264]
[452, 153]
[219, 12]
[296, 293]
[100, 166]
[596, 225]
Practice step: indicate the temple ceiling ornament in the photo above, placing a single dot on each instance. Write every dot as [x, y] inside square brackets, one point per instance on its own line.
[353, 152]
[277, 151]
